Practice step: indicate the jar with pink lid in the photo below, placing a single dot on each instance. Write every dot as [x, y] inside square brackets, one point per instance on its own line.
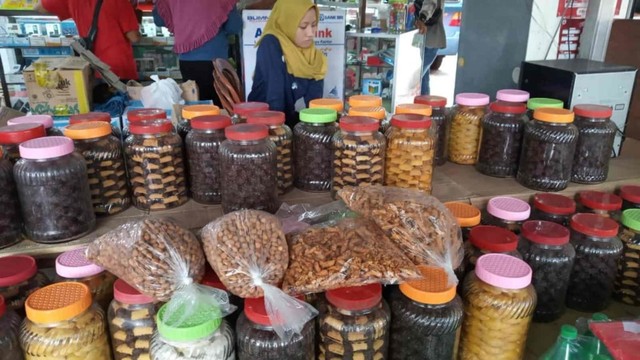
[600, 202]
[465, 128]
[19, 277]
[553, 207]
[44, 120]
[488, 239]
[630, 195]
[506, 212]
[513, 96]
[11, 136]
[242, 110]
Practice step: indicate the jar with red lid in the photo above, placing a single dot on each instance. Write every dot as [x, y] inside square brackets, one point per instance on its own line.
[600, 202]
[9, 344]
[19, 277]
[100, 117]
[598, 249]
[355, 324]
[595, 143]
[241, 111]
[553, 207]
[248, 165]
[513, 96]
[545, 246]
[468, 217]
[12, 136]
[10, 218]
[202, 144]
[137, 115]
[156, 165]
[466, 126]
[191, 112]
[438, 122]
[412, 109]
[486, 239]
[630, 195]
[211, 279]
[53, 188]
[44, 120]
[501, 138]
[627, 287]
[506, 212]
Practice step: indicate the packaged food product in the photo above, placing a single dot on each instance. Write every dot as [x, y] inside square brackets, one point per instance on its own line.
[506, 212]
[248, 169]
[364, 101]
[241, 111]
[19, 277]
[397, 16]
[465, 128]
[468, 216]
[44, 120]
[536, 103]
[599, 202]
[191, 112]
[138, 115]
[9, 344]
[439, 124]
[553, 207]
[13, 135]
[63, 324]
[513, 96]
[54, 190]
[595, 143]
[100, 117]
[630, 195]
[10, 219]
[499, 304]
[486, 239]
[627, 282]
[324, 103]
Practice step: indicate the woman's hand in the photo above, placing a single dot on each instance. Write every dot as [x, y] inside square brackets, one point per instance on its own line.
[422, 28]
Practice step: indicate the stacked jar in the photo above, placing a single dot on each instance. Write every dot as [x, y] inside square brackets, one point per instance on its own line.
[468, 217]
[553, 207]
[248, 167]
[19, 278]
[630, 195]
[398, 16]
[156, 166]
[534, 104]
[628, 282]
[332, 104]
[369, 101]
[10, 219]
[595, 143]
[506, 212]
[548, 148]
[598, 249]
[211, 279]
[138, 115]
[600, 202]
[9, 344]
[465, 128]
[44, 120]
[499, 304]
[13, 135]
[100, 117]
[313, 149]
[410, 150]
[54, 190]
[439, 123]
[191, 112]
[375, 112]
[513, 96]
[415, 109]
[486, 239]
[241, 111]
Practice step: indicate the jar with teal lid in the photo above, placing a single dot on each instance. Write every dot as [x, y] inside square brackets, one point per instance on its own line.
[312, 148]
[627, 286]
[536, 103]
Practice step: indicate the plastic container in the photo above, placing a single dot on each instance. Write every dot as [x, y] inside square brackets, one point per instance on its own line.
[241, 111]
[599, 202]
[595, 143]
[100, 117]
[468, 217]
[10, 218]
[332, 104]
[501, 139]
[156, 166]
[44, 120]
[513, 96]
[365, 101]
[499, 305]
[506, 212]
[9, 344]
[131, 319]
[248, 165]
[202, 144]
[398, 16]
[412, 109]
[567, 346]
[54, 190]
[138, 115]
[312, 149]
[105, 166]
[627, 283]
[376, 112]
[19, 277]
[487, 239]
[438, 123]
[553, 207]
[537, 103]
[545, 247]
[410, 153]
[465, 128]
[359, 151]
[258, 340]
[63, 323]
[598, 250]
[548, 148]
[14, 135]
[191, 112]
[282, 136]
[211, 279]
[630, 195]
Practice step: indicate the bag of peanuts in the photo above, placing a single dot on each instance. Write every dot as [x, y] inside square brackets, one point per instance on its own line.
[417, 223]
[248, 251]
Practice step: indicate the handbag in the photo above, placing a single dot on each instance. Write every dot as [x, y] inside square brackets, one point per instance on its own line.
[87, 42]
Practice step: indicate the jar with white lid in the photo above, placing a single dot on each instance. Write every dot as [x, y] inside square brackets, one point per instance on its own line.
[506, 212]
[44, 120]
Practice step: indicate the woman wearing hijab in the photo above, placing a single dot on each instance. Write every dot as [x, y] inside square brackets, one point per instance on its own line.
[289, 70]
[201, 29]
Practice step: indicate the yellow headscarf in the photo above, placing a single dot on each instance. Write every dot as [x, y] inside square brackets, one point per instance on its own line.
[309, 63]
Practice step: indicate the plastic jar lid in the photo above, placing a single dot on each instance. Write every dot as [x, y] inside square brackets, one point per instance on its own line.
[630, 193]
[58, 302]
[245, 108]
[503, 271]
[467, 215]
[554, 204]
[318, 116]
[599, 317]
[594, 225]
[472, 99]
[545, 232]
[359, 123]
[74, 264]
[87, 130]
[553, 115]
[493, 238]
[631, 219]
[92, 116]
[600, 200]
[376, 112]
[16, 269]
[411, 121]
[568, 332]
[16, 134]
[508, 208]
[432, 289]
[433, 101]
[417, 109]
[355, 298]
[333, 104]
[46, 147]
[127, 294]
[150, 127]
[146, 114]
[210, 122]
[202, 322]
[365, 101]
[192, 111]
[269, 118]
[256, 311]
[246, 132]
[508, 107]
[211, 279]
[45, 120]
[537, 103]
[593, 111]
[512, 95]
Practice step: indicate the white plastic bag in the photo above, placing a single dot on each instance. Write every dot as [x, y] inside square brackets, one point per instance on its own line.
[162, 94]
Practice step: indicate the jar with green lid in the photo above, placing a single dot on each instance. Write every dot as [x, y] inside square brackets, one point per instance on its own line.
[9, 328]
[534, 104]
[439, 123]
[313, 149]
[465, 128]
[191, 112]
[627, 284]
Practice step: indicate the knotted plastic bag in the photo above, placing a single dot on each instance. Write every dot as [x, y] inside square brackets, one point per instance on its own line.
[162, 94]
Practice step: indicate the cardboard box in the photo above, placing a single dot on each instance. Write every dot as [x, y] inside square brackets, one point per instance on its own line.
[68, 90]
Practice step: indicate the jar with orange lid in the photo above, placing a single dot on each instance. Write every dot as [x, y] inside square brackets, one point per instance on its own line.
[100, 117]
[553, 207]
[410, 149]
[415, 109]
[191, 112]
[499, 304]
[425, 317]
[468, 216]
[488, 239]
[595, 143]
[9, 330]
[375, 112]
[599, 202]
[137, 115]
[364, 101]
[63, 323]
[327, 103]
[465, 127]
[12, 136]
[10, 218]
[439, 123]
[548, 147]
[19, 277]
[105, 166]
[44, 120]
[627, 286]
[242, 110]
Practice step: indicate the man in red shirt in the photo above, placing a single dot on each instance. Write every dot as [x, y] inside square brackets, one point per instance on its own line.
[117, 28]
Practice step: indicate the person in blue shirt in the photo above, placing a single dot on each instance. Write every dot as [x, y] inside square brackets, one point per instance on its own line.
[289, 69]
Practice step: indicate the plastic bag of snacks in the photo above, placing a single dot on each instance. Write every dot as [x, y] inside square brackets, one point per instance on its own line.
[248, 251]
[299, 217]
[417, 223]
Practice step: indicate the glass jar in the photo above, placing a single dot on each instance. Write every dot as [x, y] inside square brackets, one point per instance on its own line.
[44, 120]
[537, 103]
[376, 112]
[438, 122]
[545, 247]
[191, 112]
[425, 318]
[242, 110]
[355, 324]
[506, 212]
[486, 239]
[465, 128]
[366, 101]
[553, 207]
[62, 323]
[548, 147]
[74, 266]
[282, 136]
[468, 216]
[600, 202]
[10, 219]
[595, 143]
[9, 344]
[131, 319]
[332, 104]
[248, 165]
[359, 151]
[415, 109]
[105, 166]
[627, 283]
[598, 250]
[202, 144]
[501, 138]
[12, 136]
[156, 166]
[630, 195]
[98, 116]
[513, 96]
[410, 150]
[499, 304]
[137, 115]
[19, 277]
[211, 279]
[398, 16]
[258, 340]
[312, 149]
[54, 190]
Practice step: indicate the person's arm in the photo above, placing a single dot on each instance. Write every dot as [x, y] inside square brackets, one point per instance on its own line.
[233, 25]
[128, 21]
[157, 19]
[274, 71]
